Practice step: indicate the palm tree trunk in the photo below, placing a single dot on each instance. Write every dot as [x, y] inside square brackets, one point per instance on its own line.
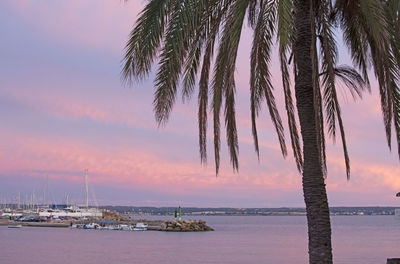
[319, 227]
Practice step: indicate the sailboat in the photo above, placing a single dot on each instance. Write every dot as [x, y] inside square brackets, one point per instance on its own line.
[74, 211]
[397, 211]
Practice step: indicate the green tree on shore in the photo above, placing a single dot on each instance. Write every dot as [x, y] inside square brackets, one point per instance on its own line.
[183, 35]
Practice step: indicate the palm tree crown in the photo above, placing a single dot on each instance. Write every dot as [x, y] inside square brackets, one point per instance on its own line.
[184, 35]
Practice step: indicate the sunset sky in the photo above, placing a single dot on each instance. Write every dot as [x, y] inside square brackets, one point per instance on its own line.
[63, 108]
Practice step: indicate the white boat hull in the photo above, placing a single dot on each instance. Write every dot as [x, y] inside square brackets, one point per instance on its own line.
[76, 213]
[140, 227]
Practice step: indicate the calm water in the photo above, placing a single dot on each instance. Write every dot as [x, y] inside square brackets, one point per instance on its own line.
[248, 239]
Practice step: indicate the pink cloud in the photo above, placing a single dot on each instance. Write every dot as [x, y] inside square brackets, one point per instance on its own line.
[121, 166]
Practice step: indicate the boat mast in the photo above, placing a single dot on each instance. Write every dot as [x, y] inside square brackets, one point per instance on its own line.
[86, 189]
[19, 200]
[46, 191]
[67, 200]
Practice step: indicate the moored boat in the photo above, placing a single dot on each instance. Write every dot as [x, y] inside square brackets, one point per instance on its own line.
[14, 226]
[124, 227]
[140, 227]
[91, 226]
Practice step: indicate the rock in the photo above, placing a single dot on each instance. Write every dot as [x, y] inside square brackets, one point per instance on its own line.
[185, 226]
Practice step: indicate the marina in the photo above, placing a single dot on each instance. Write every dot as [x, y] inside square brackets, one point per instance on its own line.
[46, 215]
[87, 216]
[92, 218]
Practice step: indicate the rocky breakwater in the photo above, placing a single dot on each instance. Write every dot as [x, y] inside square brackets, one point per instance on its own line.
[185, 226]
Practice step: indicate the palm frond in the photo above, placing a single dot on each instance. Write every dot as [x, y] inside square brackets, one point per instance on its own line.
[352, 80]
[179, 32]
[190, 70]
[395, 90]
[348, 14]
[366, 34]
[285, 24]
[329, 58]
[285, 37]
[333, 109]
[215, 17]
[365, 22]
[260, 78]
[344, 144]
[373, 18]
[200, 24]
[253, 13]
[224, 81]
[145, 39]
[356, 85]
[349, 76]
[381, 68]
[293, 131]
[320, 123]
[392, 11]
[203, 101]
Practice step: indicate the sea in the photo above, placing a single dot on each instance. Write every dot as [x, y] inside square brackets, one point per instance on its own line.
[236, 240]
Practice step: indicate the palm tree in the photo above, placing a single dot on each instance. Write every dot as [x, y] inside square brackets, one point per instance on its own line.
[183, 35]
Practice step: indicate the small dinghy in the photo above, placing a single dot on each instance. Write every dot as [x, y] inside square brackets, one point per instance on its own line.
[14, 226]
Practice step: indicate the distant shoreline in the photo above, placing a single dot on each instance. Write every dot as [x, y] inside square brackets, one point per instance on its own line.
[282, 211]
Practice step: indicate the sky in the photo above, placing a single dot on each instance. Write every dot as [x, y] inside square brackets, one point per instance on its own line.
[63, 108]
